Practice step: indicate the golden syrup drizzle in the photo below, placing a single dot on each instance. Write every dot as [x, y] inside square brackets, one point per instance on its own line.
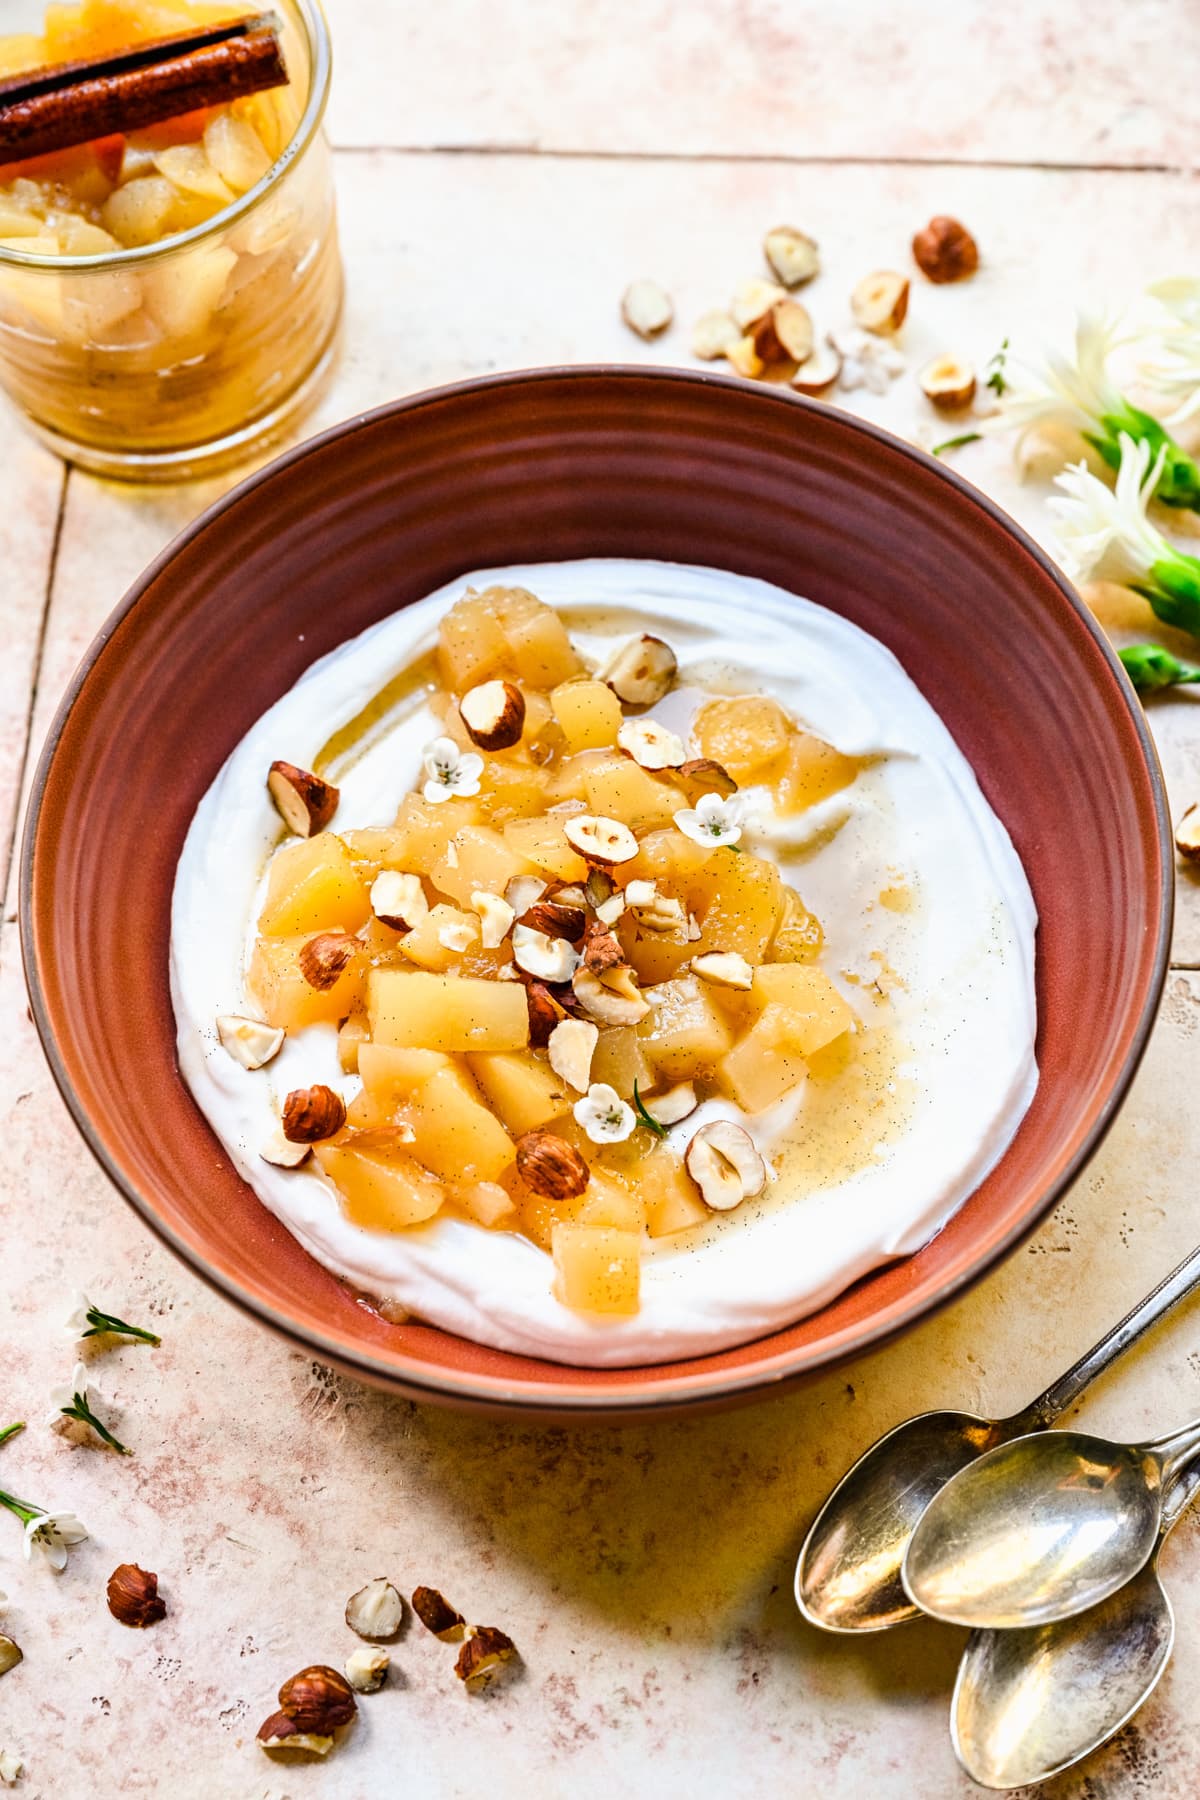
[396, 701]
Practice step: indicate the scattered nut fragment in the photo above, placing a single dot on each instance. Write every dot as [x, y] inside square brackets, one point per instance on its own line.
[713, 335]
[652, 910]
[376, 1610]
[723, 1162]
[743, 356]
[366, 1670]
[318, 1699]
[724, 968]
[650, 744]
[945, 250]
[494, 714]
[437, 1615]
[572, 1044]
[598, 887]
[1187, 835]
[282, 1154]
[304, 802]
[312, 1114]
[10, 1654]
[458, 935]
[880, 301]
[550, 1166]
[599, 839]
[484, 1653]
[792, 255]
[601, 950]
[545, 1012]
[398, 900]
[640, 671]
[613, 996]
[133, 1596]
[550, 959]
[818, 372]
[572, 894]
[325, 958]
[523, 890]
[11, 1767]
[280, 1732]
[753, 301]
[786, 334]
[555, 918]
[676, 1104]
[646, 308]
[251, 1042]
[870, 362]
[495, 918]
[610, 910]
[949, 382]
[703, 776]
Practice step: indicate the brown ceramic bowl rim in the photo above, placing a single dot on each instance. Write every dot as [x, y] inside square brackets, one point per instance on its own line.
[696, 1389]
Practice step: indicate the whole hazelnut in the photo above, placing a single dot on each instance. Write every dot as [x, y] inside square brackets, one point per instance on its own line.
[549, 1166]
[945, 250]
[318, 1698]
[133, 1596]
[312, 1114]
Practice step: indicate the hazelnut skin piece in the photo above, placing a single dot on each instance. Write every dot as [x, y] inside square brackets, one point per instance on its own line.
[133, 1596]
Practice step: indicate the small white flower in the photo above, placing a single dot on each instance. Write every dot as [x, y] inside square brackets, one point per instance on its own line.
[1103, 533]
[604, 1115]
[86, 1320]
[1076, 394]
[77, 1321]
[51, 1535]
[1179, 339]
[450, 770]
[10, 1768]
[66, 1394]
[712, 821]
[867, 361]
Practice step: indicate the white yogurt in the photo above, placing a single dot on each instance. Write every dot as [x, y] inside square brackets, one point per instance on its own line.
[964, 1013]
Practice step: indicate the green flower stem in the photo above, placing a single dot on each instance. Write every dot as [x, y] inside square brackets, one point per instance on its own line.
[1172, 586]
[11, 1431]
[1179, 480]
[100, 1323]
[660, 1131]
[83, 1412]
[954, 443]
[23, 1511]
[1151, 668]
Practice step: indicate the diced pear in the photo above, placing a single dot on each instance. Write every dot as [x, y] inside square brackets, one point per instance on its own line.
[183, 291]
[747, 735]
[812, 771]
[235, 151]
[425, 945]
[286, 999]
[589, 713]
[541, 652]
[472, 646]
[816, 1012]
[312, 886]
[670, 1196]
[137, 212]
[187, 167]
[457, 1136]
[381, 1189]
[478, 859]
[684, 1034]
[428, 829]
[620, 789]
[746, 906]
[542, 842]
[765, 1064]
[524, 1091]
[597, 1269]
[446, 1012]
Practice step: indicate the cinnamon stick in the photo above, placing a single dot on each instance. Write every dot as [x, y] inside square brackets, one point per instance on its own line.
[71, 103]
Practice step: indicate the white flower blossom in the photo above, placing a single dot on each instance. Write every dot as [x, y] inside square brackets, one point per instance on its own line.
[712, 821]
[450, 770]
[51, 1535]
[1104, 533]
[1076, 394]
[67, 1393]
[1178, 338]
[77, 1321]
[604, 1115]
[10, 1768]
[868, 361]
[86, 1320]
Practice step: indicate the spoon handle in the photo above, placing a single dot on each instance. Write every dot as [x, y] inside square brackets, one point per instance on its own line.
[1177, 1452]
[1179, 1497]
[1058, 1396]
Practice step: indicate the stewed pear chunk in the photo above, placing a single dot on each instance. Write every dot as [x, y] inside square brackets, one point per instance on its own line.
[303, 800]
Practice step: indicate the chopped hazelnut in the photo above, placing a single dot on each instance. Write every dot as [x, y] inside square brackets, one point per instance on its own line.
[640, 671]
[495, 918]
[10, 1654]
[792, 255]
[545, 958]
[304, 802]
[133, 1596]
[545, 1012]
[366, 1669]
[571, 1045]
[279, 1732]
[494, 714]
[1187, 835]
[743, 356]
[312, 1114]
[724, 968]
[555, 918]
[948, 382]
[945, 250]
[646, 308]
[484, 1653]
[550, 1166]
[753, 301]
[652, 910]
[284, 1155]
[786, 334]
[819, 370]
[251, 1042]
[325, 958]
[880, 301]
[398, 900]
[375, 1611]
[318, 1699]
[725, 1165]
[676, 1104]
[713, 334]
[523, 890]
[650, 744]
[599, 839]
[612, 996]
[601, 950]
[437, 1615]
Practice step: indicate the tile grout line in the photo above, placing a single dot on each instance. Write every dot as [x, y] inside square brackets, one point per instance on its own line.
[753, 157]
[10, 849]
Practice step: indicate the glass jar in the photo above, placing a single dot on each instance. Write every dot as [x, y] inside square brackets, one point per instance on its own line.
[175, 359]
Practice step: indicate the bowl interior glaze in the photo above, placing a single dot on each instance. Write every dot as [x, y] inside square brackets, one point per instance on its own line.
[545, 466]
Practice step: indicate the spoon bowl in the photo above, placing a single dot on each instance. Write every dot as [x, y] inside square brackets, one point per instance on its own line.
[1027, 1704]
[1041, 1528]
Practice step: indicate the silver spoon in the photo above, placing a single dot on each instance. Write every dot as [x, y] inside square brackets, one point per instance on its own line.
[1028, 1704]
[848, 1572]
[1042, 1528]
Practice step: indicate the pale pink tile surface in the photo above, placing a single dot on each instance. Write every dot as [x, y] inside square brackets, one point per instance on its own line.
[32, 490]
[1068, 83]
[264, 1489]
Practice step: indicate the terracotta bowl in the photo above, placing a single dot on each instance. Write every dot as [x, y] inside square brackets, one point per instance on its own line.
[550, 465]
